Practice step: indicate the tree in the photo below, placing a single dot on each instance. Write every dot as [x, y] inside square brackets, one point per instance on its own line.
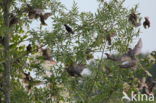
[44, 63]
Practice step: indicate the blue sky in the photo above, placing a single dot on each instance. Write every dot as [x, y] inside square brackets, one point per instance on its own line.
[146, 8]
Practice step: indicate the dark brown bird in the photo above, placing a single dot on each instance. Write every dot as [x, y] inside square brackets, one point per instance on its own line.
[133, 18]
[44, 17]
[42, 20]
[46, 54]
[13, 20]
[75, 69]
[33, 12]
[146, 23]
[109, 37]
[69, 29]
[29, 48]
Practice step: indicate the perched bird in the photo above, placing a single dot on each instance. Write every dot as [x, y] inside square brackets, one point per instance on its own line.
[128, 60]
[13, 20]
[146, 23]
[46, 54]
[75, 69]
[133, 18]
[109, 38]
[69, 30]
[29, 48]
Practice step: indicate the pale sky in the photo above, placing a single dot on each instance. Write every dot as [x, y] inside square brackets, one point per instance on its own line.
[146, 8]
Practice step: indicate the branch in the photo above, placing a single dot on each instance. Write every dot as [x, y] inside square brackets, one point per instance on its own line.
[25, 54]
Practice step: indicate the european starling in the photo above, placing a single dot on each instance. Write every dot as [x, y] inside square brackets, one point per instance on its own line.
[128, 60]
[146, 23]
[13, 20]
[75, 69]
[42, 20]
[69, 30]
[46, 54]
[29, 48]
[133, 18]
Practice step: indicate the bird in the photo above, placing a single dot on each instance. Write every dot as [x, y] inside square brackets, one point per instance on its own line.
[33, 12]
[13, 20]
[37, 13]
[146, 23]
[109, 38]
[133, 18]
[29, 48]
[30, 82]
[128, 60]
[46, 53]
[69, 29]
[43, 17]
[75, 69]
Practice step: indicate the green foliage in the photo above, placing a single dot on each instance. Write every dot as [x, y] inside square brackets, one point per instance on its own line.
[90, 38]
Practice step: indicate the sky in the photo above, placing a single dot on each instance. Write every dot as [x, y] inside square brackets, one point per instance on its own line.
[146, 8]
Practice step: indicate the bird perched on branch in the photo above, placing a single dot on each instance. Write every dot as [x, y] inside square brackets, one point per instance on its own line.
[133, 18]
[29, 48]
[69, 29]
[109, 37]
[13, 20]
[128, 60]
[146, 23]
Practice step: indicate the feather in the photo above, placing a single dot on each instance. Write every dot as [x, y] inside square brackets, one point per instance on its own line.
[137, 49]
[75, 69]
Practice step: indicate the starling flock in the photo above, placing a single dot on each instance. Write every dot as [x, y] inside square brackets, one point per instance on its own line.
[128, 60]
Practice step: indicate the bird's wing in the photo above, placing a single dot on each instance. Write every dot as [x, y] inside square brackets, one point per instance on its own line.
[138, 47]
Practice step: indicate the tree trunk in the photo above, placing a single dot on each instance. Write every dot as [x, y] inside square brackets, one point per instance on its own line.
[7, 64]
